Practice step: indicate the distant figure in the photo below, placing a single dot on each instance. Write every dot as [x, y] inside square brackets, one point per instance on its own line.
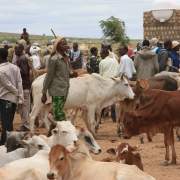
[76, 58]
[25, 36]
[175, 56]
[22, 63]
[164, 56]
[146, 62]
[11, 93]
[93, 61]
[126, 63]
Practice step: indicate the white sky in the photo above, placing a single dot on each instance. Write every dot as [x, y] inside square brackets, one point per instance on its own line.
[74, 18]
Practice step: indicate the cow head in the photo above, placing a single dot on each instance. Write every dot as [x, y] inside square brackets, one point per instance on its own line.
[58, 161]
[89, 140]
[33, 145]
[131, 124]
[122, 152]
[123, 88]
[64, 133]
[14, 139]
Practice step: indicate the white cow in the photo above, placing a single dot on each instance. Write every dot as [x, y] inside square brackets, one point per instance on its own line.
[93, 92]
[173, 75]
[32, 146]
[65, 133]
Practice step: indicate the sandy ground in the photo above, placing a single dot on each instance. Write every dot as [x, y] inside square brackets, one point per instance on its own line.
[152, 153]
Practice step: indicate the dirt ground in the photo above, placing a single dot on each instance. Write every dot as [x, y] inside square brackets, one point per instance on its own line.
[152, 153]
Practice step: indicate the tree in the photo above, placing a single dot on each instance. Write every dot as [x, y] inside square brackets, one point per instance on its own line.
[114, 29]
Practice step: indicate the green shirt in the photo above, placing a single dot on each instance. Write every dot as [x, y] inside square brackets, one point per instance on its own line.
[57, 77]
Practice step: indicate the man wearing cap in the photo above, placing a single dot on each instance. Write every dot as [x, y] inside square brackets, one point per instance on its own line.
[175, 56]
[57, 78]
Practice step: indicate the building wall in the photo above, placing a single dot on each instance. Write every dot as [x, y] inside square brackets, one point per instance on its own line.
[166, 30]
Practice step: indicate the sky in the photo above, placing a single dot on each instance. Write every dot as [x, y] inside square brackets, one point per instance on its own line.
[75, 18]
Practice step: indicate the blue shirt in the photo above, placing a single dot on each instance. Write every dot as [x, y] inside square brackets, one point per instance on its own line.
[175, 59]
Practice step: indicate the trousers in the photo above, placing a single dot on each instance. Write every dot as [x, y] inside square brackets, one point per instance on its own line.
[58, 108]
[7, 111]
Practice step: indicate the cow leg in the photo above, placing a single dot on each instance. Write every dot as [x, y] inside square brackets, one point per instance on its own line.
[97, 119]
[91, 119]
[178, 133]
[172, 147]
[34, 113]
[166, 143]
[149, 137]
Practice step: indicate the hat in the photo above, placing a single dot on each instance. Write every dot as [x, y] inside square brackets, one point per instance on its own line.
[175, 44]
[154, 41]
[22, 42]
[5, 43]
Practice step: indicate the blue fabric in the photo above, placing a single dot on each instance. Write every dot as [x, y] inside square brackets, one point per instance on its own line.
[175, 59]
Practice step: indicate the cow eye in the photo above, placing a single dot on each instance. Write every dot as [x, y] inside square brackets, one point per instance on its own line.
[55, 131]
[40, 146]
[64, 132]
[126, 85]
[62, 158]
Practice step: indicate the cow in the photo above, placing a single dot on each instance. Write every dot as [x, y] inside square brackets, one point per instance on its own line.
[31, 147]
[33, 168]
[90, 91]
[13, 141]
[78, 165]
[65, 133]
[125, 154]
[158, 113]
[163, 83]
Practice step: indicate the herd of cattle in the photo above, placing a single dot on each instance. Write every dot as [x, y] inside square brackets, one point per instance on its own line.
[146, 106]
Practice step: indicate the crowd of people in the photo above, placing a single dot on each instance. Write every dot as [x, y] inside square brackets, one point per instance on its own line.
[20, 65]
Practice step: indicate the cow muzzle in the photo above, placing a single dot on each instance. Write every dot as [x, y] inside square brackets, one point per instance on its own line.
[51, 176]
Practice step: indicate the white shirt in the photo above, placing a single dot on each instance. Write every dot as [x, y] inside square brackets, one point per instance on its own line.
[108, 67]
[127, 66]
[36, 61]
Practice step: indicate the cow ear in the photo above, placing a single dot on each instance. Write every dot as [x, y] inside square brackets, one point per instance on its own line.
[135, 148]
[144, 84]
[111, 151]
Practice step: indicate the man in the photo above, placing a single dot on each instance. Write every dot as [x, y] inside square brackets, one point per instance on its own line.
[22, 63]
[25, 36]
[126, 64]
[11, 93]
[146, 62]
[108, 67]
[93, 62]
[175, 57]
[76, 58]
[57, 78]
[164, 56]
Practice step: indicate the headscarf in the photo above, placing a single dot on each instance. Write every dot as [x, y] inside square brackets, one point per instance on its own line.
[57, 41]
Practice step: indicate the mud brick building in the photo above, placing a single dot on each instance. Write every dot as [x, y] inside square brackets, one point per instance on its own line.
[162, 28]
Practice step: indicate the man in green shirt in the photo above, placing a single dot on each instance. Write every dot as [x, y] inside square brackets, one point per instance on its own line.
[57, 78]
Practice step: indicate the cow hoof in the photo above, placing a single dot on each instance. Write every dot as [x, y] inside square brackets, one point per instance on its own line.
[142, 140]
[178, 138]
[165, 163]
[173, 162]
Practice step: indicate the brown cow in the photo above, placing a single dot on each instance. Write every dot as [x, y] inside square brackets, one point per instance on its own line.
[163, 83]
[159, 113]
[125, 154]
[78, 165]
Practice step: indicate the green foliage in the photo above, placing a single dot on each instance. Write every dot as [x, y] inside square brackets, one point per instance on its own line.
[114, 29]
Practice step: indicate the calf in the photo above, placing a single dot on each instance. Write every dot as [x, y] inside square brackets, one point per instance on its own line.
[126, 154]
[159, 113]
[78, 165]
